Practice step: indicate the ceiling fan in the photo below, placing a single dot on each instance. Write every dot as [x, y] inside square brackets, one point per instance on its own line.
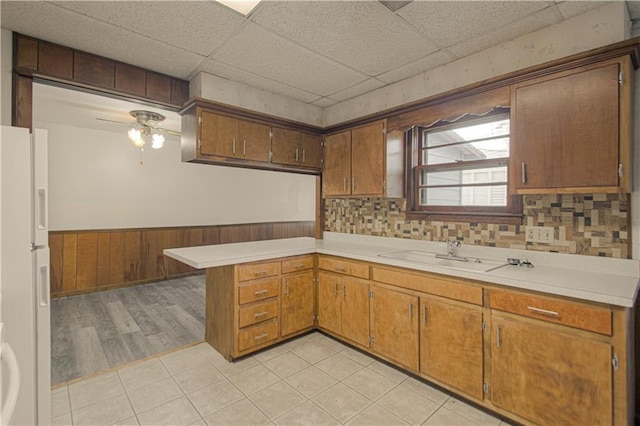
[147, 127]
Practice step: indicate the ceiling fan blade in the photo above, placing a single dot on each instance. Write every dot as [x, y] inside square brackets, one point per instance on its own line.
[114, 121]
[167, 131]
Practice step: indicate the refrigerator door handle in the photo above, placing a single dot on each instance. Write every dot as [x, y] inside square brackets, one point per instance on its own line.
[9, 402]
[42, 209]
[43, 285]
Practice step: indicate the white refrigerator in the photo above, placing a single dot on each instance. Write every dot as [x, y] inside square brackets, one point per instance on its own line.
[24, 278]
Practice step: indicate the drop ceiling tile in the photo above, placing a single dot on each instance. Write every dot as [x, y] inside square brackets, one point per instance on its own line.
[363, 35]
[431, 61]
[451, 22]
[260, 52]
[358, 89]
[324, 102]
[231, 73]
[49, 22]
[196, 26]
[634, 9]
[528, 24]
[570, 9]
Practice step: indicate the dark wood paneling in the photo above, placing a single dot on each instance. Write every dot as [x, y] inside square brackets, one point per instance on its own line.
[26, 53]
[22, 114]
[130, 79]
[55, 61]
[89, 260]
[93, 70]
[158, 87]
[179, 91]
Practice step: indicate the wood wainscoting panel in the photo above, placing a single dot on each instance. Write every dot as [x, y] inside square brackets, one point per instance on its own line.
[91, 260]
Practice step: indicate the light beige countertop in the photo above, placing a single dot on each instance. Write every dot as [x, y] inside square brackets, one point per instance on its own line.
[604, 280]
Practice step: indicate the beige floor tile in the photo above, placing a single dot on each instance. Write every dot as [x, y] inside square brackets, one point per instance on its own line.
[93, 390]
[62, 420]
[447, 417]
[142, 374]
[200, 422]
[214, 397]
[369, 383]
[154, 394]
[242, 412]
[254, 379]
[339, 366]
[60, 401]
[311, 381]
[388, 371]
[230, 368]
[131, 421]
[277, 399]
[270, 353]
[313, 352]
[198, 377]
[426, 390]
[357, 356]
[177, 412]
[408, 405]
[375, 415]
[106, 412]
[305, 415]
[341, 402]
[286, 364]
[330, 342]
[470, 412]
[181, 360]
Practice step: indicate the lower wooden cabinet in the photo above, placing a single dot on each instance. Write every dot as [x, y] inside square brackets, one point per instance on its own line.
[451, 349]
[549, 376]
[394, 325]
[297, 302]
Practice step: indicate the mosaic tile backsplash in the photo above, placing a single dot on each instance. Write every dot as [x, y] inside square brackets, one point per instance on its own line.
[593, 225]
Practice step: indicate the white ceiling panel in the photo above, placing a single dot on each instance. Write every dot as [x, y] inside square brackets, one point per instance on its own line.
[570, 9]
[431, 61]
[634, 9]
[358, 89]
[231, 73]
[261, 52]
[49, 22]
[450, 22]
[364, 35]
[324, 102]
[184, 24]
[533, 22]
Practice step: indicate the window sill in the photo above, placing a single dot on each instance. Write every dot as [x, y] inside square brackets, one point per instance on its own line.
[496, 218]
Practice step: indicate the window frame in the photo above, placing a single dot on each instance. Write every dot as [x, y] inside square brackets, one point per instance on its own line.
[415, 139]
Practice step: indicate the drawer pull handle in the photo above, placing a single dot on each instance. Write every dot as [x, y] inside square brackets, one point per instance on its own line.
[340, 268]
[497, 336]
[524, 173]
[286, 288]
[543, 311]
[260, 314]
[336, 289]
[261, 292]
[261, 336]
[410, 311]
[344, 292]
[260, 273]
[424, 314]
[299, 266]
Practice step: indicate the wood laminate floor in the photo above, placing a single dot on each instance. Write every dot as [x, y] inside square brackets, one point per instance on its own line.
[99, 331]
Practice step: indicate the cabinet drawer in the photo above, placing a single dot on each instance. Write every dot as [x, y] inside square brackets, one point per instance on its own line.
[576, 315]
[257, 335]
[259, 290]
[342, 266]
[297, 264]
[259, 312]
[251, 271]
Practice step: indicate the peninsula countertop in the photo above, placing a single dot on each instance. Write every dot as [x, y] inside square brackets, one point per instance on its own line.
[603, 280]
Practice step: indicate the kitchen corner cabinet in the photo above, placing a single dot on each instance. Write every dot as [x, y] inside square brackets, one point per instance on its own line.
[343, 299]
[294, 148]
[571, 131]
[361, 162]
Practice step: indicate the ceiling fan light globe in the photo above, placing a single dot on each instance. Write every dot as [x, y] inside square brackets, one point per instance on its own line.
[135, 136]
[157, 141]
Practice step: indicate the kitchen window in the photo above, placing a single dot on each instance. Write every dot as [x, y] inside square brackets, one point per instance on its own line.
[461, 168]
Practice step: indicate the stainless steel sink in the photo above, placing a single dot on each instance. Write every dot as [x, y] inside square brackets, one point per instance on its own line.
[428, 258]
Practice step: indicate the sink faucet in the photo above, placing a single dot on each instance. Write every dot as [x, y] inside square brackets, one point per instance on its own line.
[452, 246]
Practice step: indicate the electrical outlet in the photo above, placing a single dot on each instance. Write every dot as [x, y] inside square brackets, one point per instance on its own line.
[539, 234]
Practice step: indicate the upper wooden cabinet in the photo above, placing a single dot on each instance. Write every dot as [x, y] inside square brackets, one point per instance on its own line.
[571, 130]
[212, 136]
[295, 148]
[363, 161]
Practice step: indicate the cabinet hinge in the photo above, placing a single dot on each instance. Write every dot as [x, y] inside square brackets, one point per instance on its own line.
[200, 120]
[614, 362]
[270, 134]
[199, 144]
[620, 77]
[270, 155]
[484, 325]
[371, 340]
[620, 170]
[371, 294]
[384, 131]
[485, 388]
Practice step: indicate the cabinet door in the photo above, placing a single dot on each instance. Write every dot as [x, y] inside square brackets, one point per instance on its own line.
[297, 302]
[451, 344]
[311, 147]
[355, 310]
[550, 377]
[254, 141]
[566, 129]
[394, 326]
[367, 160]
[285, 146]
[329, 302]
[336, 176]
[218, 134]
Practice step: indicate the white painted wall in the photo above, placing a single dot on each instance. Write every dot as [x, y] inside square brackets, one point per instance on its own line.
[6, 63]
[97, 182]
